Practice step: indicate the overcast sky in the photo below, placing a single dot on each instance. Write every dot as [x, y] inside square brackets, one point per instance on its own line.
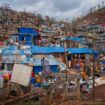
[60, 9]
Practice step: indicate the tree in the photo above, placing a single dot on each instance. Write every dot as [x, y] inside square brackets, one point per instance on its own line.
[39, 16]
[6, 6]
[102, 4]
[91, 9]
[99, 6]
[94, 8]
[47, 18]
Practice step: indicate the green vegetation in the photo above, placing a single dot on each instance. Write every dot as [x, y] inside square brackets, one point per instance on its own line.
[96, 103]
[28, 103]
[99, 104]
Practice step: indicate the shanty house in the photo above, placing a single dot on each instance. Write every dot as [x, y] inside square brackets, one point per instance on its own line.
[28, 36]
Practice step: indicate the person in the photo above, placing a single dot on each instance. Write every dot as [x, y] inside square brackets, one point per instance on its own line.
[80, 63]
[83, 74]
[69, 60]
[88, 71]
[97, 71]
[1, 64]
[78, 67]
[84, 86]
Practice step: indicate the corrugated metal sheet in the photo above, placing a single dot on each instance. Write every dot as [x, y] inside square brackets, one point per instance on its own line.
[37, 62]
[14, 52]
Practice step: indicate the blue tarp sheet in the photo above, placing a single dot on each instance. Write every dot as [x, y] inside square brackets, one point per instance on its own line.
[80, 40]
[47, 50]
[37, 69]
[80, 51]
[30, 31]
[54, 69]
[103, 62]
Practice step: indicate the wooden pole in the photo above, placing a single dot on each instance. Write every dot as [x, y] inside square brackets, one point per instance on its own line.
[66, 59]
[78, 89]
[93, 92]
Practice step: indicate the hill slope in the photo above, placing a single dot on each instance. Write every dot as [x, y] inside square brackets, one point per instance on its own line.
[97, 17]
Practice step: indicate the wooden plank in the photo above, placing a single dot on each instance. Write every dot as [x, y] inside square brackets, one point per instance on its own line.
[37, 92]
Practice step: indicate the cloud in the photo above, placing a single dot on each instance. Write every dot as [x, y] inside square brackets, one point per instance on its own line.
[66, 5]
[61, 9]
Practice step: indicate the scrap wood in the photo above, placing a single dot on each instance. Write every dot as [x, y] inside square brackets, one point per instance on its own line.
[15, 99]
[55, 85]
[60, 82]
[103, 78]
[68, 102]
[72, 72]
[92, 103]
[6, 90]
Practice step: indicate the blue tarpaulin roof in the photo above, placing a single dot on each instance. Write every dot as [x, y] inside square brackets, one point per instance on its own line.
[47, 50]
[80, 50]
[80, 40]
[30, 31]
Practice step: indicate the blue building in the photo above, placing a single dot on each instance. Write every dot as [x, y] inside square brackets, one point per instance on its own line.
[27, 36]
